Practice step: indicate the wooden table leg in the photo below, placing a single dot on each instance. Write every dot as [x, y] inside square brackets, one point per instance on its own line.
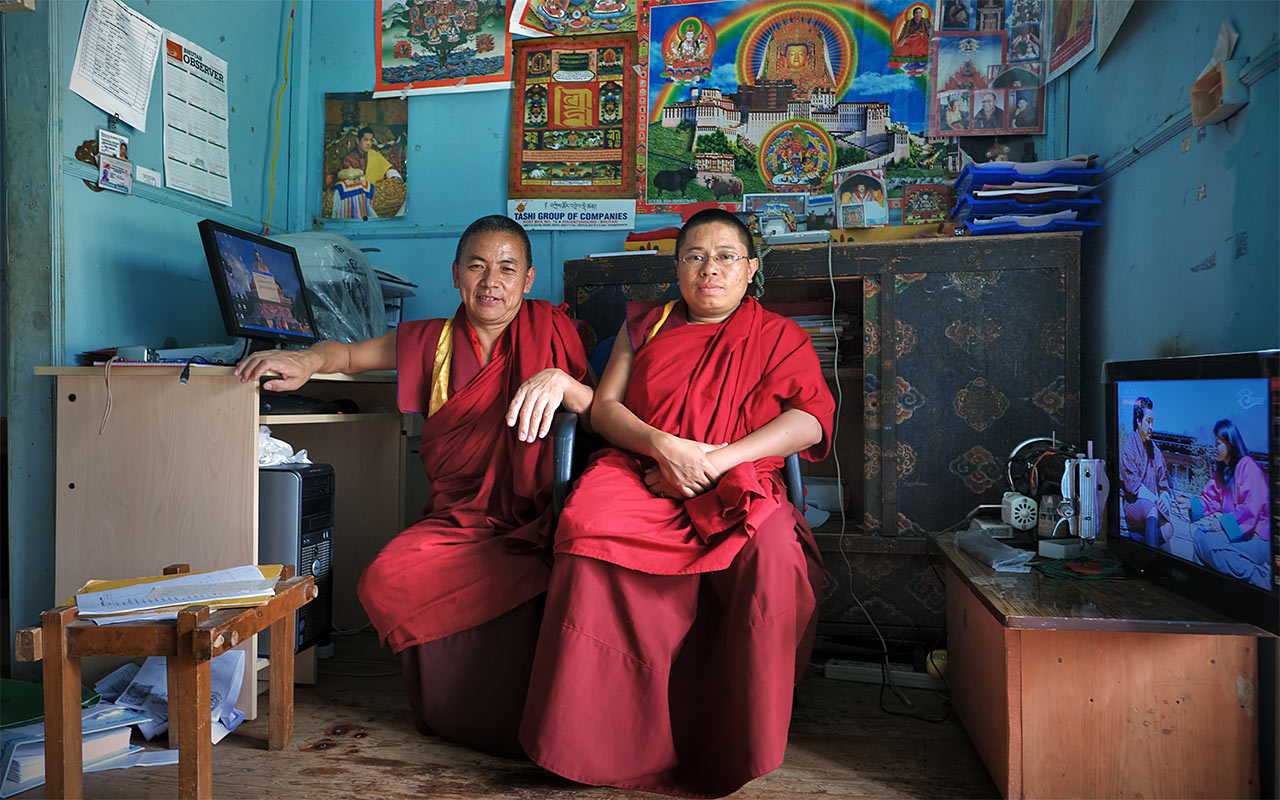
[192, 712]
[280, 726]
[63, 742]
[171, 683]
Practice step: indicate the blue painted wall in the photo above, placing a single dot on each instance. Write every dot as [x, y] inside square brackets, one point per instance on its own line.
[91, 269]
[1188, 260]
[457, 171]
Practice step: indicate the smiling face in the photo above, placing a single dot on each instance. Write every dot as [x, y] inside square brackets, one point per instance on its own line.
[988, 103]
[492, 276]
[713, 290]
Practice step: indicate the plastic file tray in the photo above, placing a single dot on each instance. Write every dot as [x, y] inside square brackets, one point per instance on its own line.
[1011, 227]
[1004, 173]
[969, 206]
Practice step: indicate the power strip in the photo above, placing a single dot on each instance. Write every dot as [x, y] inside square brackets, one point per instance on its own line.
[867, 672]
[798, 237]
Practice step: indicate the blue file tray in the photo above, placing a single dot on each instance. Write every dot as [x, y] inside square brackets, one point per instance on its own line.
[1003, 173]
[1010, 227]
[969, 206]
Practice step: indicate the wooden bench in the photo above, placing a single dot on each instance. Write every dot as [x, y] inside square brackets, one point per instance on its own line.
[188, 644]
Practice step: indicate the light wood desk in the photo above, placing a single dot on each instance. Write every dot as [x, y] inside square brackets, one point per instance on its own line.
[1099, 688]
[152, 472]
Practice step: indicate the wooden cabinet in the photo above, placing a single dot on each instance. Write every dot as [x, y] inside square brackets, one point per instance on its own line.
[1100, 688]
[153, 471]
[960, 348]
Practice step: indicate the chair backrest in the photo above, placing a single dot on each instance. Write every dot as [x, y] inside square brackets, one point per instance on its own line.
[569, 459]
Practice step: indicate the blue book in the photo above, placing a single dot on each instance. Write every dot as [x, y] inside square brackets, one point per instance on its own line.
[106, 730]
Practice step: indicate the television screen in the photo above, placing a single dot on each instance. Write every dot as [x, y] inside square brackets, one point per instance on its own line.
[1191, 457]
[259, 285]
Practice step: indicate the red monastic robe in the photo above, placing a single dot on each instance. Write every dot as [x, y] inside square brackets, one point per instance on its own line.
[675, 629]
[483, 545]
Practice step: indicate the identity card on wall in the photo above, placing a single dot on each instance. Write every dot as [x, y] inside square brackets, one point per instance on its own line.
[196, 158]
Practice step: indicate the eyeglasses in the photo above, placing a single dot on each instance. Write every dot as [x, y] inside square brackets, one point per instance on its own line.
[719, 259]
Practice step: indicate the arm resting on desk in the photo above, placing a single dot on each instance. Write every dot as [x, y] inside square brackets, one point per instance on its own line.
[295, 367]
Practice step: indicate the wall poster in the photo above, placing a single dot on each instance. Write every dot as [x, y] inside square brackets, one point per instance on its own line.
[1070, 34]
[434, 46]
[570, 118]
[979, 91]
[365, 163]
[572, 17]
[746, 96]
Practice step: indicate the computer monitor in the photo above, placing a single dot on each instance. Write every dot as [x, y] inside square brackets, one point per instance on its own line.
[259, 285]
[1192, 457]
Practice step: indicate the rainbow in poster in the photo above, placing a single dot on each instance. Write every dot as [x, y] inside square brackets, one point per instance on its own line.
[747, 96]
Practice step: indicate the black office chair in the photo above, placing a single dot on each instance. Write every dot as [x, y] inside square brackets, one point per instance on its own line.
[570, 459]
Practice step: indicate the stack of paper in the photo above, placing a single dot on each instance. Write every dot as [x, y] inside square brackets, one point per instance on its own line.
[1010, 197]
[824, 330]
[162, 597]
[105, 736]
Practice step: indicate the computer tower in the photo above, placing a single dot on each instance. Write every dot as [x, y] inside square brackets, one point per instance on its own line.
[295, 526]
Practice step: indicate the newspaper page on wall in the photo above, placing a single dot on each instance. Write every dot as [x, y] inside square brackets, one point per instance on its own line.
[196, 156]
[116, 60]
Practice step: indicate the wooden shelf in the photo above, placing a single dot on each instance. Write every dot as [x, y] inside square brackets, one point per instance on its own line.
[308, 419]
[843, 372]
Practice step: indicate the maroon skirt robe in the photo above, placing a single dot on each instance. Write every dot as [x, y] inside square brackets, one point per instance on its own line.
[675, 630]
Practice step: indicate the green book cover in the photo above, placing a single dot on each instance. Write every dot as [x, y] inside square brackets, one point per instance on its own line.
[22, 702]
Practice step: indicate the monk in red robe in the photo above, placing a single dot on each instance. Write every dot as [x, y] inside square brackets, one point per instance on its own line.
[683, 594]
[459, 594]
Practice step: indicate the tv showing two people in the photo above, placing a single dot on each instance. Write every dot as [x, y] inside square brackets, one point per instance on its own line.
[264, 290]
[1193, 460]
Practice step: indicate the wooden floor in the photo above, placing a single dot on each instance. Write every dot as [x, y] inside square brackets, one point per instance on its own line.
[353, 738]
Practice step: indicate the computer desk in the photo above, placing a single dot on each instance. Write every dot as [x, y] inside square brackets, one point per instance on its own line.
[154, 472]
[1073, 688]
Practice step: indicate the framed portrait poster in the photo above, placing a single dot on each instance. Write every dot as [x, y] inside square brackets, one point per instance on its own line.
[979, 92]
[1070, 34]
[570, 118]
[744, 97]
[365, 156]
[435, 46]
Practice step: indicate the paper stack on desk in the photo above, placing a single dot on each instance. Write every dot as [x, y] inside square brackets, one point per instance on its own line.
[162, 597]
[1011, 197]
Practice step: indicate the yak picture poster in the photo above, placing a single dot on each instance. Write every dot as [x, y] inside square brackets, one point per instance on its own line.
[746, 97]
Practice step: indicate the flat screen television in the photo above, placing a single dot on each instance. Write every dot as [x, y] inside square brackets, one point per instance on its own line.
[259, 285]
[1192, 450]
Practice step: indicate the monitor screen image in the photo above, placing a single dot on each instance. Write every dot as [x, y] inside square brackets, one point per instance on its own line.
[1193, 460]
[259, 285]
[1192, 450]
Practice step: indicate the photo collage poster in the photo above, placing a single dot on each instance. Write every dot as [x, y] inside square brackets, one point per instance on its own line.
[436, 46]
[538, 18]
[744, 97]
[987, 68]
[571, 132]
[365, 156]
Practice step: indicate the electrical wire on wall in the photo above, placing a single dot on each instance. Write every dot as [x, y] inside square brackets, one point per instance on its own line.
[275, 146]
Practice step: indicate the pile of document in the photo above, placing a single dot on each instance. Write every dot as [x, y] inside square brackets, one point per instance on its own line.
[145, 689]
[160, 598]
[824, 330]
[1030, 197]
[105, 733]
